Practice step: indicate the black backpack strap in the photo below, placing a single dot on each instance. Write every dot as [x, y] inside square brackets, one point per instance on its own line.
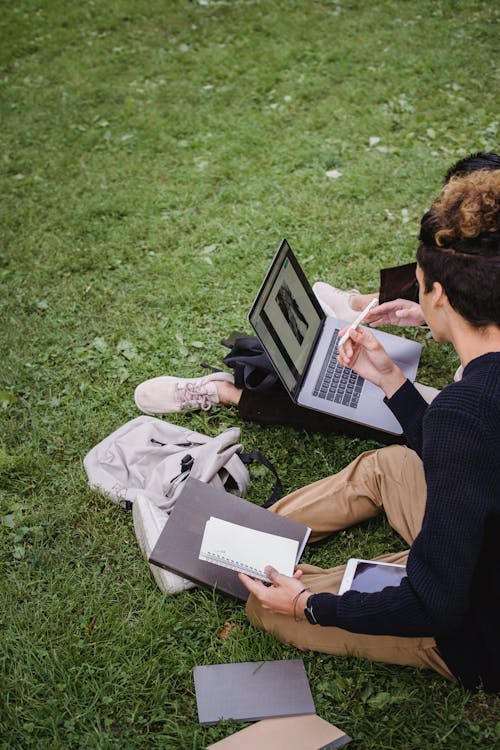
[125, 504]
[249, 458]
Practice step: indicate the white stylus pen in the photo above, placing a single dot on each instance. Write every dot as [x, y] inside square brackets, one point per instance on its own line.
[358, 321]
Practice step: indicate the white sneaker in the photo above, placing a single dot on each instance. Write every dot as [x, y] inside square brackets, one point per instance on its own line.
[335, 302]
[149, 522]
[166, 394]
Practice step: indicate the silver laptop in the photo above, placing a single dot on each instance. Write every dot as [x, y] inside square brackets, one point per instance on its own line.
[301, 342]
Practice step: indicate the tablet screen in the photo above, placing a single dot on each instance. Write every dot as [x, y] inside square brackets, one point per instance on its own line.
[372, 576]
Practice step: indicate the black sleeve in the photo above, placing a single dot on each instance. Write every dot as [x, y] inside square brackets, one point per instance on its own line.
[409, 408]
[433, 598]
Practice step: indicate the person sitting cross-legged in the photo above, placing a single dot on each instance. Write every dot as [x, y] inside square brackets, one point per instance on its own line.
[442, 495]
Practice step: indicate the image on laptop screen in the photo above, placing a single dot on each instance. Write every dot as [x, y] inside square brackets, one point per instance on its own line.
[286, 319]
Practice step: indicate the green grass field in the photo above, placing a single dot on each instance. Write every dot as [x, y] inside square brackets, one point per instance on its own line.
[153, 156]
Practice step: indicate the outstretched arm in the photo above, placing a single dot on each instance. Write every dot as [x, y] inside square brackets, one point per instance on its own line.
[397, 312]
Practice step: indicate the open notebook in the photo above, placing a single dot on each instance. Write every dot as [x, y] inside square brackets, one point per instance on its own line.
[247, 550]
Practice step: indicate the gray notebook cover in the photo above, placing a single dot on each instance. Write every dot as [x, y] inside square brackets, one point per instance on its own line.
[178, 546]
[249, 691]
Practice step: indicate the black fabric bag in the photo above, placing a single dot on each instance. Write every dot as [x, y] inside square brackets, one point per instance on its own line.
[252, 367]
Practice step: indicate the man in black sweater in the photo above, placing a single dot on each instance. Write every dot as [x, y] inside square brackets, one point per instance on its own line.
[443, 496]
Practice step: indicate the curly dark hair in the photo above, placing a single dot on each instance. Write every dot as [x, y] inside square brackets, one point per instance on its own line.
[460, 246]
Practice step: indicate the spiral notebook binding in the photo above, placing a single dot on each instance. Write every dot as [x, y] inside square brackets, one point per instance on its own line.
[234, 565]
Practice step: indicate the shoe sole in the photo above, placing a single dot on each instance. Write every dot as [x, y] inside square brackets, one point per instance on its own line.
[148, 525]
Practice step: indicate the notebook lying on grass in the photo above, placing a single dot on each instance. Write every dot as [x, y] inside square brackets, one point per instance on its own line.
[290, 733]
[178, 546]
[247, 550]
[301, 342]
[249, 691]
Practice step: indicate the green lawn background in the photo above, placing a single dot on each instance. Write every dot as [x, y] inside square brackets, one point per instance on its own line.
[153, 155]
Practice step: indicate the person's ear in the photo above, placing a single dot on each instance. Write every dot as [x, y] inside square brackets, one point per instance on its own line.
[438, 295]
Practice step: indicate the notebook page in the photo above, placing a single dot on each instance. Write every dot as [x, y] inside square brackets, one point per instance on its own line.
[246, 550]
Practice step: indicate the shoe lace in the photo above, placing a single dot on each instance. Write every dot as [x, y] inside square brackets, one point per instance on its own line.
[346, 292]
[194, 396]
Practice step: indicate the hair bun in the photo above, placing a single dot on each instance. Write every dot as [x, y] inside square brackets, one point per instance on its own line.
[466, 217]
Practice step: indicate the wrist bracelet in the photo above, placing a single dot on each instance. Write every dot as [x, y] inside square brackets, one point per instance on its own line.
[296, 599]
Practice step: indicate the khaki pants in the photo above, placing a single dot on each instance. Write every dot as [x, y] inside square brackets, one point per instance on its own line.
[391, 480]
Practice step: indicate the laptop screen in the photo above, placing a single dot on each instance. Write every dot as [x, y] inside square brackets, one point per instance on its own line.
[287, 317]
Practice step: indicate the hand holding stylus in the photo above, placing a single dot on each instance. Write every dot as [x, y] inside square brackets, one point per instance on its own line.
[364, 354]
[358, 321]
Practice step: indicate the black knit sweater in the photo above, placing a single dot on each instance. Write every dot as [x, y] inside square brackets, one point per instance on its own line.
[452, 588]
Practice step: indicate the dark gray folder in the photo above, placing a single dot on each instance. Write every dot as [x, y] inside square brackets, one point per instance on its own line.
[178, 546]
[249, 691]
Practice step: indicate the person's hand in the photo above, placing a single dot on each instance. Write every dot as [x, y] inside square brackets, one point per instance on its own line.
[280, 596]
[364, 354]
[397, 312]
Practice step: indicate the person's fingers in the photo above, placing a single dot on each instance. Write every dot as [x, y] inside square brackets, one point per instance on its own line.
[383, 308]
[408, 313]
[245, 580]
[375, 314]
[363, 337]
[254, 586]
[273, 575]
[298, 574]
[342, 357]
[346, 350]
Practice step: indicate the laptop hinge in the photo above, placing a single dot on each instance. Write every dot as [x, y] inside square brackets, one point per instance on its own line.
[302, 378]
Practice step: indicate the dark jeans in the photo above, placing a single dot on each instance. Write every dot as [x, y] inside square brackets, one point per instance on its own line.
[276, 407]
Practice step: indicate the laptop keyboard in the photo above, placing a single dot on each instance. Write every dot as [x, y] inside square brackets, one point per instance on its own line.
[337, 383]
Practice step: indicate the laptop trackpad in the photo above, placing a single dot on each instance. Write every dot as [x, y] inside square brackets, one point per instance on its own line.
[339, 391]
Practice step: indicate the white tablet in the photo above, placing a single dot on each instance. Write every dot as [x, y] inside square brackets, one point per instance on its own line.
[370, 575]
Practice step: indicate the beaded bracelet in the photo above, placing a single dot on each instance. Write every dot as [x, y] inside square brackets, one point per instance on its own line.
[296, 599]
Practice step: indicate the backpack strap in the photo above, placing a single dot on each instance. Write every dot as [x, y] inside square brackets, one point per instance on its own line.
[249, 458]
